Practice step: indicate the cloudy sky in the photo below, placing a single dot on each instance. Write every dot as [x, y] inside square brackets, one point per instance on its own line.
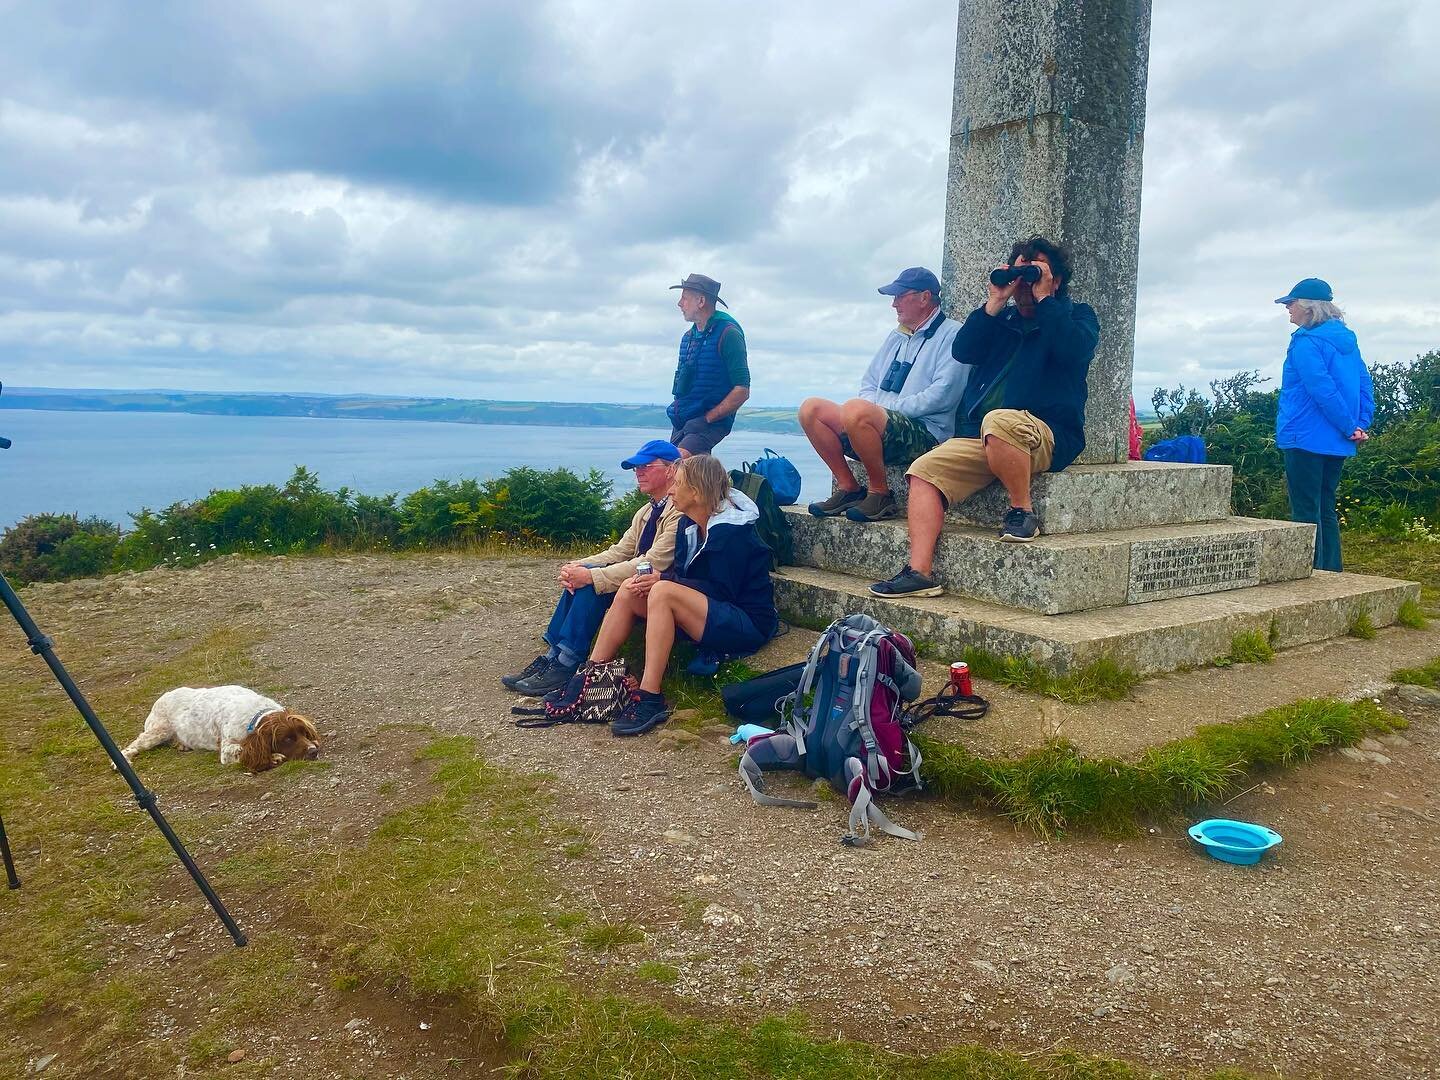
[489, 199]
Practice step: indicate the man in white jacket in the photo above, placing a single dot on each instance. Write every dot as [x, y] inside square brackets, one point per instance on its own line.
[906, 405]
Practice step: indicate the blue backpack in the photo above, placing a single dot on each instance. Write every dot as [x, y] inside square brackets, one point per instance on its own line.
[783, 476]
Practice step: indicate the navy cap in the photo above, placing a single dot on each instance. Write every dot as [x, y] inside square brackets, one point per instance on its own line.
[654, 450]
[1312, 288]
[915, 278]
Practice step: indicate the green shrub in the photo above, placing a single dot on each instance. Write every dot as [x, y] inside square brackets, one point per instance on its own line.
[52, 547]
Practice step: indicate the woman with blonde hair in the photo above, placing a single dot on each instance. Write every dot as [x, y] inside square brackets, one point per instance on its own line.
[717, 591]
[1326, 404]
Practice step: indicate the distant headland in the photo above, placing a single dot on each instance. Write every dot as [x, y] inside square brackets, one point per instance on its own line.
[371, 407]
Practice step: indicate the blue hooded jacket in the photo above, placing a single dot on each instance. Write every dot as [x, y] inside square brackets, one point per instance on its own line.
[1325, 391]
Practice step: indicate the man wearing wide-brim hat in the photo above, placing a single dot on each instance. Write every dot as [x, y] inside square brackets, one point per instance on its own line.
[712, 379]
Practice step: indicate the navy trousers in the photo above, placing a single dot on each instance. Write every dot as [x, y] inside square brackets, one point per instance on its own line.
[1311, 480]
[577, 616]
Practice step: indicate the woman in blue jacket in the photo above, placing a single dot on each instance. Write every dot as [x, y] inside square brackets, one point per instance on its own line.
[1326, 404]
[717, 591]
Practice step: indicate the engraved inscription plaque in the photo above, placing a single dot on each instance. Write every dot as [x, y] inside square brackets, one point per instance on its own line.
[1183, 566]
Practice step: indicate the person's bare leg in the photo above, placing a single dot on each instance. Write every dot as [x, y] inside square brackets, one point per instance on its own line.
[926, 516]
[865, 424]
[1011, 467]
[616, 627]
[671, 605]
[822, 423]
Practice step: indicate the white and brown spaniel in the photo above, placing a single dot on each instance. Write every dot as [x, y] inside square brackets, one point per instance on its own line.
[244, 726]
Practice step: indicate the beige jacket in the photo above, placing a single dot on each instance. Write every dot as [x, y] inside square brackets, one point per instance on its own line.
[618, 561]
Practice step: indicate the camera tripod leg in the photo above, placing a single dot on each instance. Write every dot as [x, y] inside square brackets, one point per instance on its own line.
[42, 647]
[10, 877]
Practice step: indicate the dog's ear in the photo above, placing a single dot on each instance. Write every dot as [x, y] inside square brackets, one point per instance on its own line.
[307, 727]
[257, 747]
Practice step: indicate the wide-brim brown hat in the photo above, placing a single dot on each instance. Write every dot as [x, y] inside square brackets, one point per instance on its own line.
[704, 285]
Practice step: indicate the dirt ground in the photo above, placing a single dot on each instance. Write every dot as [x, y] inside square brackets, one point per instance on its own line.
[1321, 962]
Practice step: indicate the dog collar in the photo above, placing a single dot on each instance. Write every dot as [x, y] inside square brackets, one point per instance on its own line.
[255, 720]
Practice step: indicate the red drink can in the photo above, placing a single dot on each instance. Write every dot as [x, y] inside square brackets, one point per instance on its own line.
[960, 677]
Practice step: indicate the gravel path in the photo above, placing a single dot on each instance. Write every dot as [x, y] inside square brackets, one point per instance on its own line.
[1322, 961]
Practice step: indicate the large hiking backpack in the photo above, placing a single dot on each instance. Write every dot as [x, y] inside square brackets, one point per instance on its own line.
[843, 724]
[773, 526]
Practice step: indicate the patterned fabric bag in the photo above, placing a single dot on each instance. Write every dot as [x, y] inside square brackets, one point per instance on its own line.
[595, 694]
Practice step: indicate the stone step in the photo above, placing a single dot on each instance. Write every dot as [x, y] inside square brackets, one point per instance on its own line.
[1091, 498]
[1071, 571]
[1148, 638]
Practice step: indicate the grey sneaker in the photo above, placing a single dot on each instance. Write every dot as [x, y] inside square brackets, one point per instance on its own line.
[1020, 526]
[907, 582]
[876, 506]
[541, 683]
[836, 503]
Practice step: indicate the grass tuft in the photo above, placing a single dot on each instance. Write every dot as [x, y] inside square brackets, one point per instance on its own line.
[1411, 614]
[1103, 680]
[1362, 627]
[1249, 647]
[1056, 788]
[1425, 675]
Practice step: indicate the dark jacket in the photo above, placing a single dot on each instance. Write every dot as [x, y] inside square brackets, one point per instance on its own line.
[1043, 361]
[731, 564]
[711, 364]
[1325, 391]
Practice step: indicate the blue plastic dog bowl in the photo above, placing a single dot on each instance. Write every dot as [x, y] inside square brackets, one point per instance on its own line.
[1234, 841]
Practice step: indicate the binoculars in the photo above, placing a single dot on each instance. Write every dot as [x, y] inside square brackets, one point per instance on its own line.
[895, 378]
[1006, 274]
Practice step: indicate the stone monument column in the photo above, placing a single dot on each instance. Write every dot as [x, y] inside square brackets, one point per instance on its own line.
[1047, 137]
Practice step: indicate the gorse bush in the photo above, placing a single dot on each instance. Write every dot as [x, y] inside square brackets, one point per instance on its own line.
[527, 505]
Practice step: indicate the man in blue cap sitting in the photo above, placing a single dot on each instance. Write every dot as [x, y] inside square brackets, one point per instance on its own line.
[906, 404]
[589, 584]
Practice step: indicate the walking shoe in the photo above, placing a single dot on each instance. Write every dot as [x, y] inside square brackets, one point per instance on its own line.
[553, 677]
[876, 506]
[836, 503]
[539, 664]
[907, 582]
[1020, 527]
[642, 712]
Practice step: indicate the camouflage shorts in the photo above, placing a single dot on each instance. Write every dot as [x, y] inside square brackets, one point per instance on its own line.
[905, 440]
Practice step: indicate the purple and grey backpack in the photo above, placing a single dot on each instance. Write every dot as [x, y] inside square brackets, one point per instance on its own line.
[843, 723]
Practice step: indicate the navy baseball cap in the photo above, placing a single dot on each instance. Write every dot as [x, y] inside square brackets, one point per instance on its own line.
[914, 279]
[1312, 288]
[654, 450]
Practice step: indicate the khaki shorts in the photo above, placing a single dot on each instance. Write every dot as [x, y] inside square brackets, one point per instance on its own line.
[958, 468]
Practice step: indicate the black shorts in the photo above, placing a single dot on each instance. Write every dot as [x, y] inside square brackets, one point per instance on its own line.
[699, 437]
[728, 629]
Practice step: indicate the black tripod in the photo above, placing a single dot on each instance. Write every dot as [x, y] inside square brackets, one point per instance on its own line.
[41, 646]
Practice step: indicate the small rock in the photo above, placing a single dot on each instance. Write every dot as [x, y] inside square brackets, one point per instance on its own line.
[43, 1063]
[1103, 1010]
[1120, 975]
[715, 915]
[623, 787]
[684, 714]
[1418, 695]
[675, 738]
[1147, 949]
[236, 1055]
[355, 1024]
[717, 731]
[680, 837]
[1371, 745]
[983, 965]
[1394, 740]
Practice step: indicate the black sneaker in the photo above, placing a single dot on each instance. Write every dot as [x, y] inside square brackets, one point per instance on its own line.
[553, 677]
[641, 713]
[539, 664]
[907, 582]
[836, 503]
[1020, 526]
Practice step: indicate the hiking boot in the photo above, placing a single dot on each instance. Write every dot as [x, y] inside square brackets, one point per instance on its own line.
[552, 677]
[641, 713]
[1020, 527]
[876, 506]
[836, 503]
[539, 664]
[907, 582]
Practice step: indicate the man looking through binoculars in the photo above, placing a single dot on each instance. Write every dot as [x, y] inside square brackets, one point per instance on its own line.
[905, 407]
[1028, 350]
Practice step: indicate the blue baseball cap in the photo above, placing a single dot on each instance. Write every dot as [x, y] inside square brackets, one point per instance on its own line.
[654, 450]
[1312, 288]
[914, 279]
